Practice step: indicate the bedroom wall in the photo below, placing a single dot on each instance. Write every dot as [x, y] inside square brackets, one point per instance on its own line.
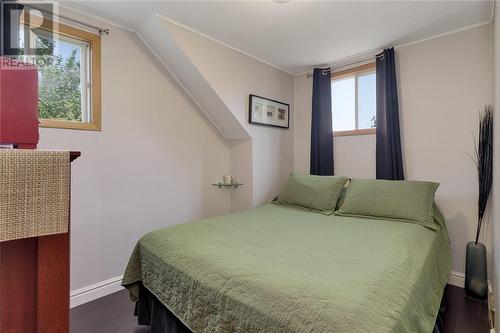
[234, 76]
[151, 165]
[437, 125]
[495, 277]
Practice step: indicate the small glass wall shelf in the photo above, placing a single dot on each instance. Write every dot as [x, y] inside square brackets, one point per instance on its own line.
[221, 185]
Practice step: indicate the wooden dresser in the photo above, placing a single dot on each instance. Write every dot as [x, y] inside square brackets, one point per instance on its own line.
[34, 282]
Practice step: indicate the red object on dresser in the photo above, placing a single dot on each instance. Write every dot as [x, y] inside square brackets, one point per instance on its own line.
[34, 272]
[18, 103]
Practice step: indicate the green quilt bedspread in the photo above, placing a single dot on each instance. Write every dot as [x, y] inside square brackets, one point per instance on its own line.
[281, 269]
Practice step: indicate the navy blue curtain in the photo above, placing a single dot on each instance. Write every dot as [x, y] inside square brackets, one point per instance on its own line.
[389, 159]
[321, 124]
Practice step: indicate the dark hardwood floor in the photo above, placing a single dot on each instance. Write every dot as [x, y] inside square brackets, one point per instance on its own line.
[463, 314]
[111, 314]
[114, 314]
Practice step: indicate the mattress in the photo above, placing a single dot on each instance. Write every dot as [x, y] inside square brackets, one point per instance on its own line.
[282, 269]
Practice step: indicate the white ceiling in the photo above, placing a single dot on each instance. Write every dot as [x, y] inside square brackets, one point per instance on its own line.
[297, 35]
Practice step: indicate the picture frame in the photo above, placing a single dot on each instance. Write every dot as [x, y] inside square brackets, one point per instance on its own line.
[268, 112]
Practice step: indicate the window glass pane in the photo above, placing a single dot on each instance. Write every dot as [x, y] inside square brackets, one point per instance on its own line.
[366, 100]
[344, 104]
[60, 83]
[60, 76]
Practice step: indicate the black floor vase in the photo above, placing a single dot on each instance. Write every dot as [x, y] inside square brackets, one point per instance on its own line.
[476, 284]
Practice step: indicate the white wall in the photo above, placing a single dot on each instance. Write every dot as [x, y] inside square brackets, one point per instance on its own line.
[150, 167]
[302, 123]
[241, 153]
[234, 76]
[443, 84]
[356, 156]
[495, 278]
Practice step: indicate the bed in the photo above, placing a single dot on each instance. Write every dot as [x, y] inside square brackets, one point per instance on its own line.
[279, 268]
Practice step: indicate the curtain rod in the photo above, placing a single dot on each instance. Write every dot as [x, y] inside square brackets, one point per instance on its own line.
[99, 29]
[373, 55]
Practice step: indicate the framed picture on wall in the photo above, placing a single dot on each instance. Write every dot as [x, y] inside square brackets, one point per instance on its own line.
[268, 112]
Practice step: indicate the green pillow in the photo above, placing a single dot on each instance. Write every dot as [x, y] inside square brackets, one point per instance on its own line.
[317, 193]
[410, 201]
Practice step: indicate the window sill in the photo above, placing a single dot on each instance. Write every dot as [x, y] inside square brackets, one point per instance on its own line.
[75, 125]
[366, 131]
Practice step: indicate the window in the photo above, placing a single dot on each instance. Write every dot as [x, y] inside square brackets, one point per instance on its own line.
[354, 101]
[69, 78]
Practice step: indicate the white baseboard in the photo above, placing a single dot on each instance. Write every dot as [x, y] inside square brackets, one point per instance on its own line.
[457, 279]
[95, 291]
[106, 287]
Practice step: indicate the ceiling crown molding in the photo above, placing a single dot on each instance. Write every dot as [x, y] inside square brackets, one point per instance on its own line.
[188, 28]
[168, 19]
[64, 5]
[338, 62]
[362, 56]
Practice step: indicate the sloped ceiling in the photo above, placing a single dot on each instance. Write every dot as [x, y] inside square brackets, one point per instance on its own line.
[159, 39]
[298, 35]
